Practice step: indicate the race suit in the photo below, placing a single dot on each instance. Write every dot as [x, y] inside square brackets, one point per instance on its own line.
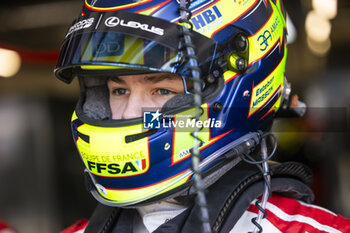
[283, 215]
[232, 206]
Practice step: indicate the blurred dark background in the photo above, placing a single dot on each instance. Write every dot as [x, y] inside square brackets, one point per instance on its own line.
[41, 179]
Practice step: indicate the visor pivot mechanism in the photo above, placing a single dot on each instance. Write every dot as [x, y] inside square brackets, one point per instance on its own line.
[217, 107]
[240, 43]
[237, 63]
[210, 79]
[217, 70]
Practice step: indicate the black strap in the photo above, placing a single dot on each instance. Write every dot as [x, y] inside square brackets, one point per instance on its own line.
[125, 222]
[102, 219]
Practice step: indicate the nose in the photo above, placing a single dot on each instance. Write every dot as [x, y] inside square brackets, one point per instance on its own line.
[133, 107]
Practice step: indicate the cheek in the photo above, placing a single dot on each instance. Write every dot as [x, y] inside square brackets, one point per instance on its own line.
[159, 101]
[117, 108]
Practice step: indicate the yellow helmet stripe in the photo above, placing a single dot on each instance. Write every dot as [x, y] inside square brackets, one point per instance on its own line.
[116, 7]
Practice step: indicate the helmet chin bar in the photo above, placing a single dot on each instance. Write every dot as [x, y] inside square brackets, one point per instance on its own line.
[233, 150]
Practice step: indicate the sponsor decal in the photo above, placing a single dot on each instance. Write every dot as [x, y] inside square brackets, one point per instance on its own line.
[269, 34]
[86, 23]
[105, 49]
[112, 168]
[207, 19]
[185, 152]
[102, 189]
[114, 21]
[111, 45]
[133, 163]
[263, 39]
[261, 93]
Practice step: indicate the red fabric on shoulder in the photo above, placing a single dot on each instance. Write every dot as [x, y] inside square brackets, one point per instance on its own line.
[5, 227]
[80, 225]
[291, 216]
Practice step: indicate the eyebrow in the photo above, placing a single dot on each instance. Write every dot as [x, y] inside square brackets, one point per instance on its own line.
[151, 78]
[158, 78]
[117, 80]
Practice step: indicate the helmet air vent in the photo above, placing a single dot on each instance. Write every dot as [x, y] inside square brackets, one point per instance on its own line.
[135, 137]
[84, 137]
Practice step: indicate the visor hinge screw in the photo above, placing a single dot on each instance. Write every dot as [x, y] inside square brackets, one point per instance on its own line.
[240, 43]
[167, 146]
[210, 78]
[217, 107]
[241, 64]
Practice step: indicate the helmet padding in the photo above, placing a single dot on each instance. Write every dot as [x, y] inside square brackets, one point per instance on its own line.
[95, 98]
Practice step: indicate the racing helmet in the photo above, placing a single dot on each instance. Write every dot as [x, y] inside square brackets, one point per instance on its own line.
[240, 47]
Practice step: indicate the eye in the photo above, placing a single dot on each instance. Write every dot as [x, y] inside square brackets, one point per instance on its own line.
[162, 91]
[120, 91]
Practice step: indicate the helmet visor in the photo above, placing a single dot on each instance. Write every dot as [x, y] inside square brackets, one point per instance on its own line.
[127, 40]
[118, 49]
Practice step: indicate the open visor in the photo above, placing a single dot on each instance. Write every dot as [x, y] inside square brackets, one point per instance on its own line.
[124, 40]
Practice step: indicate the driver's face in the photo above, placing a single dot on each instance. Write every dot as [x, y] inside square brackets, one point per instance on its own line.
[130, 93]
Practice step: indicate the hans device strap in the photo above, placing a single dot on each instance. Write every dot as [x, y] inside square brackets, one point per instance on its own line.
[102, 220]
